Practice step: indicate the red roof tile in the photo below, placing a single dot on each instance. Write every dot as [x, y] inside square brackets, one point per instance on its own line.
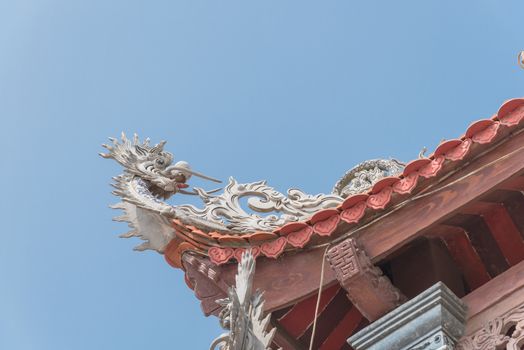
[352, 210]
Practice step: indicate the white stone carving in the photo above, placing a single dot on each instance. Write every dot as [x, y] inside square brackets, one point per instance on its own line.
[150, 178]
[363, 176]
[242, 313]
[227, 209]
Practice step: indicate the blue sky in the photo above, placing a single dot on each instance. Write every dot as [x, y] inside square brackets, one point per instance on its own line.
[295, 92]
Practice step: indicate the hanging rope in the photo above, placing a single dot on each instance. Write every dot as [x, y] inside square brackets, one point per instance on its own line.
[318, 298]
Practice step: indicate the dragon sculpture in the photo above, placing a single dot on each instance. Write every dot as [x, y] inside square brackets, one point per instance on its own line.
[150, 178]
[242, 313]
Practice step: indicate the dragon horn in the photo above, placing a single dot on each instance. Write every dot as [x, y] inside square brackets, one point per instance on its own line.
[159, 147]
[186, 170]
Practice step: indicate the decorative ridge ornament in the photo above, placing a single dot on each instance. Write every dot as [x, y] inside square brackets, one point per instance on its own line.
[242, 313]
[363, 176]
[223, 227]
[227, 209]
[521, 59]
[150, 178]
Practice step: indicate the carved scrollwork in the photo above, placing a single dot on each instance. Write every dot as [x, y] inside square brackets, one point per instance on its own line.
[226, 208]
[504, 332]
[363, 176]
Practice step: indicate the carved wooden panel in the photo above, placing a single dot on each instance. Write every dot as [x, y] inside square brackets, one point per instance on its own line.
[368, 289]
[504, 332]
[343, 260]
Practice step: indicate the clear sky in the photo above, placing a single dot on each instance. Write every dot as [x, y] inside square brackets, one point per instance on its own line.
[295, 92]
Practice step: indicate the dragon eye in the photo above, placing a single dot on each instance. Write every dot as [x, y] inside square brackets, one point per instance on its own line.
[160, 161]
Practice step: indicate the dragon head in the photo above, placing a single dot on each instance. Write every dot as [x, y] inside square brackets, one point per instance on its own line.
[153, 165]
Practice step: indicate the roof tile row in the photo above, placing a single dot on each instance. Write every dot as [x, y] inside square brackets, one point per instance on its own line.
[352, 210]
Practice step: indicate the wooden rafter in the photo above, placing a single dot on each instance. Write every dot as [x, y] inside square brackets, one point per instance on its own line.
[283, 339]
[502, 227]
[467, 259]
[301, 316]
[341, 332]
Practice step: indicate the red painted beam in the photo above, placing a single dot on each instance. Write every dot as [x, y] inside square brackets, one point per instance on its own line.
[332, 315]
[495, 298]
[282, 339]
[515, 184]
[461, 250]
[300, 317]
[338, 337]
[475, 180]
[502, 227]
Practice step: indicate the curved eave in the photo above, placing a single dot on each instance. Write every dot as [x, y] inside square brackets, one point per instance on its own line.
[391, 194]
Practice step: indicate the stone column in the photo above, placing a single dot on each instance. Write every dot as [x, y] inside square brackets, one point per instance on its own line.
[433, 320]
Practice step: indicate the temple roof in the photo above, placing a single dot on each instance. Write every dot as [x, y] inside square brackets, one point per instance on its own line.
[222, 230]
[388, 230]
[327, 225]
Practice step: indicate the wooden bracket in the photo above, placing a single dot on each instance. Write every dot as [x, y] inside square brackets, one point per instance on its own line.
[203, 278]
[369, 290]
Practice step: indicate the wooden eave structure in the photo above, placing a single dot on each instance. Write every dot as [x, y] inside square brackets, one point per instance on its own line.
[456, 216]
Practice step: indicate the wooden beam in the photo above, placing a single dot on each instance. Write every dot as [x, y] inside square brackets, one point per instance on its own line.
[515, 207]
[287, 280]
[481, 176]
[421, 265]
[495, 298]
[301, 316]
[515, 184]
[502, 227]
[294, 277]
[332, 315]
[368, 289]
[482, 241]
[341, 332]
[283, 339]
[467, 259]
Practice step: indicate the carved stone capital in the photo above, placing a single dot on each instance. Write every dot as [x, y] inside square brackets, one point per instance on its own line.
[368, 289]
[433, 320]
[503, 332]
